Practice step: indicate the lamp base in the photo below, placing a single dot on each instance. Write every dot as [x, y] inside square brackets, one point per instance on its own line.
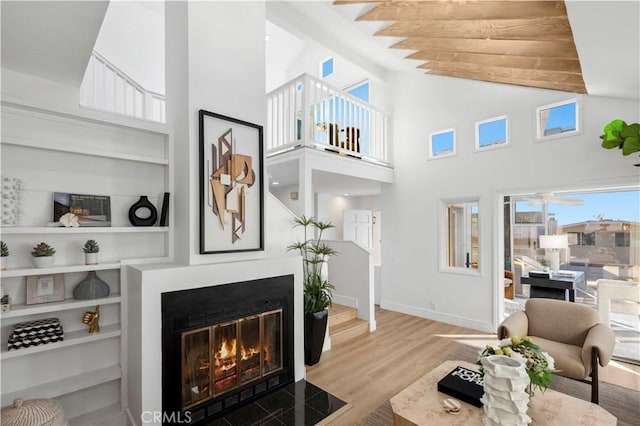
[553, 256]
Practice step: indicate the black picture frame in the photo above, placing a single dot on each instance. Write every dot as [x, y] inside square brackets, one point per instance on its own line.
[231, 184]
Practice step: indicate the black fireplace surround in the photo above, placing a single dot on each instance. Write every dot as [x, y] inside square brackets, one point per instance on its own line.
[187, 310]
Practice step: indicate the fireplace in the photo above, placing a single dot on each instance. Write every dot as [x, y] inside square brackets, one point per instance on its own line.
[225, 345]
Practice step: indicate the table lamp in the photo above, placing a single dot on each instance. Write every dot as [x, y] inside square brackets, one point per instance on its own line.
[551, 244]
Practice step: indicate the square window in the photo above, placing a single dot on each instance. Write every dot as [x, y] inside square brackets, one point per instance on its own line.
[442, 144]
[557, 119]
[491, 133]
[326, 68]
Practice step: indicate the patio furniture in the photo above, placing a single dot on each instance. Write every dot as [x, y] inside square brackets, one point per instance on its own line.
[570, 333]
[617, 296]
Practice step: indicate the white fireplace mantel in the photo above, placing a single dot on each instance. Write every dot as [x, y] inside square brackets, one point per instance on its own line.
[145, 285]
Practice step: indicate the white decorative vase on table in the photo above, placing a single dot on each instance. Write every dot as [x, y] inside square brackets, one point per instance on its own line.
[505, 397]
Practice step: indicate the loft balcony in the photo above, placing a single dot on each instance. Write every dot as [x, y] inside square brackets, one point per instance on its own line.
[307, 112]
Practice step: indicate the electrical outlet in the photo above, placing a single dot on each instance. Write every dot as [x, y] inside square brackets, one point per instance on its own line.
[434, 306]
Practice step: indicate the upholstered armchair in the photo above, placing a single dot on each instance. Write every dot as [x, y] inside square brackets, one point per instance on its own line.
[572, 334]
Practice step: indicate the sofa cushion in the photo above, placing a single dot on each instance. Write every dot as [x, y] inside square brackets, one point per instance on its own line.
[568, 358]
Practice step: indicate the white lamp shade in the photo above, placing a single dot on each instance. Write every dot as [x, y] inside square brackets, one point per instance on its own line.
[554, 241]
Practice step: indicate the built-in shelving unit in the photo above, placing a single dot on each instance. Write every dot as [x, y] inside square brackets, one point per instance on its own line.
[84, 230]
[68, 385]
[22, 272]
[43, 308]
[70, 339]
[80, 152]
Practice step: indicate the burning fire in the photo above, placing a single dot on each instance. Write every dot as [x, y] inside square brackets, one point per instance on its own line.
[226, 355]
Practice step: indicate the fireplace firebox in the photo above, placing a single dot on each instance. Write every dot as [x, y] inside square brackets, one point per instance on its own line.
[225, 345]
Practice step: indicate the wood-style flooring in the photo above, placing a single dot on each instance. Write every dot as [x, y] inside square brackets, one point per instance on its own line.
[370, 369]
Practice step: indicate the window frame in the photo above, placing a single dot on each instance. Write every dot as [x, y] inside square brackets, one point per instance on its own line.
[444, 238]
[454, 149]
[541, 137]
[493, 146]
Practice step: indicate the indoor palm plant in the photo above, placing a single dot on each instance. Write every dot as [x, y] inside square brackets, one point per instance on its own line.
[317, 290]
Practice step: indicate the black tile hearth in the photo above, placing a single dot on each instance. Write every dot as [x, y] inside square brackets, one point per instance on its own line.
[298, 404]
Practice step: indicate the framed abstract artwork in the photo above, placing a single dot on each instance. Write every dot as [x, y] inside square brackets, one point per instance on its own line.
[231, 185]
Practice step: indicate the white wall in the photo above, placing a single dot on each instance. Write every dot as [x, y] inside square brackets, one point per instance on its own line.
[283, 193]
[217, 64]
[132, 38]
[412, 282]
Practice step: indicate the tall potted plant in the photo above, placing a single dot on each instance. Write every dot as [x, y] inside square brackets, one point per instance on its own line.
[317, 291]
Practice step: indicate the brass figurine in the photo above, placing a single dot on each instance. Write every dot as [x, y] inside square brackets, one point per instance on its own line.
[92, 320]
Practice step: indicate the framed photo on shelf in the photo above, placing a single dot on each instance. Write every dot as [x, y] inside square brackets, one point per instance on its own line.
[92, 210]
[45, 288]
[231, 185]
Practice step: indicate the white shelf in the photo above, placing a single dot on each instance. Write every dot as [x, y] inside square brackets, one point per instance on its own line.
[25, 310]
[81, 230]
[91, 152]
[22, 272]
[70, 339]
[66, 385]
[111, 415]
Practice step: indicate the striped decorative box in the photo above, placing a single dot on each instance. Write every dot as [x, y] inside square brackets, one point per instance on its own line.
[35, 333]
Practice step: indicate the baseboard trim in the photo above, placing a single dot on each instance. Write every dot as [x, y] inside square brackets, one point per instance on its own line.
[438, 316]
[349, 301]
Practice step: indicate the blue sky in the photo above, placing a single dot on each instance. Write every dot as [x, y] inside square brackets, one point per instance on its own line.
[613, 205]
[563, 116]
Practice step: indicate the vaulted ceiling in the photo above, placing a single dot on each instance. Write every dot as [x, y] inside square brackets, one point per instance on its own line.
[520, 42]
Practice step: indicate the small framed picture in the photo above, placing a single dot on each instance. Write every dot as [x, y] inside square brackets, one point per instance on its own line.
[45, 288]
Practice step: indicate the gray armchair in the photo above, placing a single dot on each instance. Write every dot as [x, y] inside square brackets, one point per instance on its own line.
[570, 333]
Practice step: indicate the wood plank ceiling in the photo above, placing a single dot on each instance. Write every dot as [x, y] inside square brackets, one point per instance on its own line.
[520, 42]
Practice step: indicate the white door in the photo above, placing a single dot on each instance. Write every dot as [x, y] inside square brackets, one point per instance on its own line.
[357, 226]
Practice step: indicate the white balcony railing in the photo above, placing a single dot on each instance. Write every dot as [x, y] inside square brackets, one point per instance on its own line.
[308, 112]
[107, 88]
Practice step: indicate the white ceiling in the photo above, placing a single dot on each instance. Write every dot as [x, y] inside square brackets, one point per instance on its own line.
[286, 174]
[50, 39]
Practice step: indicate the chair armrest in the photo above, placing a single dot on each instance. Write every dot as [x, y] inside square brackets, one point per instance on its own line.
[516, 324]
[602, 338]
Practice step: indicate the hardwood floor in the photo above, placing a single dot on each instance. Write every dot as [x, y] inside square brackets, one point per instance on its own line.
[370, 369]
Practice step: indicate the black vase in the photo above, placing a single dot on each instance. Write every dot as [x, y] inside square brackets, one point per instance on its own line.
[315, 328]
[143, 203]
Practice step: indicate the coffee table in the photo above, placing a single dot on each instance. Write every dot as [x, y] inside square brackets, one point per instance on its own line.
[421, 404]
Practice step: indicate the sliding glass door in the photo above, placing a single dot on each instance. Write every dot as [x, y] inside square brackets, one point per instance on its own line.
[601, 230]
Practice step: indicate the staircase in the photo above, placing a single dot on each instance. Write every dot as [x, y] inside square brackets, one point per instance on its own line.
[343, 324]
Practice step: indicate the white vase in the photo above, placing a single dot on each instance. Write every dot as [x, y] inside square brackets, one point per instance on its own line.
[91, 258]
[43, 261]
[3, 262]
[505, 399]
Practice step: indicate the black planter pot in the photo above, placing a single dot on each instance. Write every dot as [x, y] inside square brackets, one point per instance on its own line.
[315, 328]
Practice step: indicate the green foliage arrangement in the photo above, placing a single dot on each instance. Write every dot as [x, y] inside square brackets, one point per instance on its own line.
[91, 246]
[43, 250]
[314, 252]
[539, 365]
[618, 134]
[4, 249]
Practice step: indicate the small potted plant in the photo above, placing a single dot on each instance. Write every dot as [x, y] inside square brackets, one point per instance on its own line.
[91, 250]
[4, 254]
[43, 255]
